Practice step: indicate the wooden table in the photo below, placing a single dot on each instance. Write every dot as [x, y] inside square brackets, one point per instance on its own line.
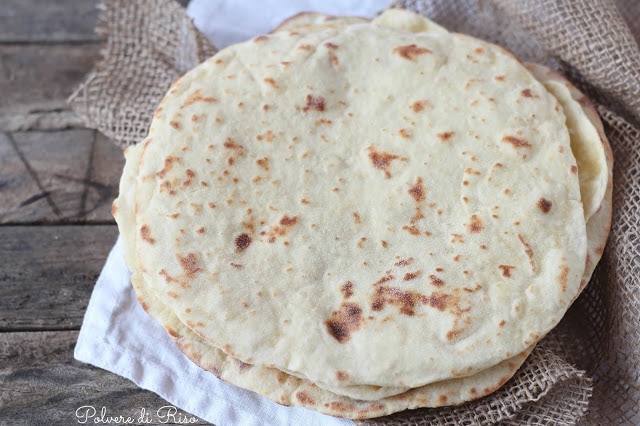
[57, 182]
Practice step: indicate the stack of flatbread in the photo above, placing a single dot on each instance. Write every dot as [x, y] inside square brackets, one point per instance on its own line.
[362, 217]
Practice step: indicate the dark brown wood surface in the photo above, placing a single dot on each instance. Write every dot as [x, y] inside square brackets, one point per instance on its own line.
[57, 182]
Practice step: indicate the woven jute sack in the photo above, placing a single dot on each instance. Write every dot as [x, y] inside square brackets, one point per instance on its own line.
[587, 371]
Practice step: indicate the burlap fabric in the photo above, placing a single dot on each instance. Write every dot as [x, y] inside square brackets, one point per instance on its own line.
[587, 371]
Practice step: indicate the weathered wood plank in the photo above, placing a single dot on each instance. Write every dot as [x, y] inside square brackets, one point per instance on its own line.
[41, 383]
[37, 79]
[47, 274]
[48, 21]
[67, 176]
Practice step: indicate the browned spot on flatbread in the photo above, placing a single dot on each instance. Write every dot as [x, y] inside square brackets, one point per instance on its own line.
[260, 38]
[345, 321]
[271, 82]
[475, 224]
[331, 46]
[263, 163]
[196, 96]
[356, 218]
[168, 164]
[230, 143]
[436, 281]
[438, 300]
[418, 106]
[268, 136]
[145, 233]
[404, 262]
[347, 289]
[506, 270]
[242, 241]
[563, 277]
[544, 205]
[342, 375]
[314, 103]
[382, 160]
[189, 264]
[410, 52]
[411, 275]
[189, 180]
[418, 191]
[528, 93]
[304, 399]
[528, 251]
[445, 136]
[516, 142]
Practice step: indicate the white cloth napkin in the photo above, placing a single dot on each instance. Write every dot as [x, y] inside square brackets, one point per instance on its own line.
[118, 336]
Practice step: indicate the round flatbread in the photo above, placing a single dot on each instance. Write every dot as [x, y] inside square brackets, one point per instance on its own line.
[395, 264]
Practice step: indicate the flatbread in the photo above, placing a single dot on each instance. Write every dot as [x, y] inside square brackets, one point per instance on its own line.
[146, 235]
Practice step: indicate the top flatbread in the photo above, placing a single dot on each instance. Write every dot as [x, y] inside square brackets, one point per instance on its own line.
[437, 212]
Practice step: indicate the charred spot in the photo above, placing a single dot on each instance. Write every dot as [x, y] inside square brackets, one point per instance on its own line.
[175, 124]
[260, 38]
[445, 136]
[506, 270]
[345, 321]
[574, 169]
[242, 241]
[347, 289]
[527, 93]
[331, 46]
[516, 141]
[500, 78]
[544, 205]
[410, 52]
[145, 233]
[314, 103]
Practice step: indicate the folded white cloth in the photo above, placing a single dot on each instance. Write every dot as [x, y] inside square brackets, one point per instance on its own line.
[118, 336]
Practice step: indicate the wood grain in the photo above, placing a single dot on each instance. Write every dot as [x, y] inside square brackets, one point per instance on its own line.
[48, 21]
[35, 82]
[68, 176]
[41, 383]
[48, 272]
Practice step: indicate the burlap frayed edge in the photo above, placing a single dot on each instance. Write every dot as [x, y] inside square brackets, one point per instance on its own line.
[148, 45]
